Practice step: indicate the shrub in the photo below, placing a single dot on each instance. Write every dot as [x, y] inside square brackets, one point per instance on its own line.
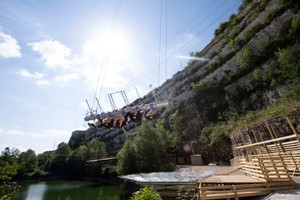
[289, 61]
[147, 193]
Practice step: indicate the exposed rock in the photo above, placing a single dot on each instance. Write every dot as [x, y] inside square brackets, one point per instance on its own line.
[222, 81]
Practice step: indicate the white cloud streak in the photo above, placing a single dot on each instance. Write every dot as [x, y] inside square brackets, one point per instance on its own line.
[26, 74]
[9, 46]
[65, 79]
[55, 54]
[53, 133]
[193, 58]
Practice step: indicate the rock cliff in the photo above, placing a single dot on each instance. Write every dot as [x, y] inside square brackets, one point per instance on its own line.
[240, 71]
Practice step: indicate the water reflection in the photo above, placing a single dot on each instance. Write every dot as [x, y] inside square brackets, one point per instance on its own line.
[74, 190]
[36, 191]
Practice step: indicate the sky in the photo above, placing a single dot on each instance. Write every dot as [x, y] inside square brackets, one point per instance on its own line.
[55, 55]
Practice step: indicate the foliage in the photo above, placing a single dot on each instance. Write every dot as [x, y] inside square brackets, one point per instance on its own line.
[96, 149]
[294, 24]
[168, 167]
[8, 164]
[222, 28]
[214, 133]
[127, 161]
[245, 58]
[289, 60]
[29, 160]
[147, 193]
[8, 169]
[148, 141]
[288, 3]
[45, 160]
[135, 154]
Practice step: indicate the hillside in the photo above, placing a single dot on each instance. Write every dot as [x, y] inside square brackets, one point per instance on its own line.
[244, 72]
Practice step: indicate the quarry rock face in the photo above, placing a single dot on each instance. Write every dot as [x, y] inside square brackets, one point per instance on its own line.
[239, 69]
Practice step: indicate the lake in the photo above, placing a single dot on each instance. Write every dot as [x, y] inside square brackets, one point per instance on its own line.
[68, 190]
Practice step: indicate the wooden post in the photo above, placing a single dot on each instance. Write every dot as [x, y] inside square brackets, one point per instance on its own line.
[293, 128]
[279, 142]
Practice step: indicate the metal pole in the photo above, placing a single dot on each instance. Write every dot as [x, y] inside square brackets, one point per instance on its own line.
[101, 110]
[90, 109]
[127, 101]
[137, 93]
[153, 93]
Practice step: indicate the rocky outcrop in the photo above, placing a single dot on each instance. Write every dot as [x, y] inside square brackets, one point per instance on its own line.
[241, 71]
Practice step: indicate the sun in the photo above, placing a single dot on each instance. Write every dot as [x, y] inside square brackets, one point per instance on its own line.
[114, 45]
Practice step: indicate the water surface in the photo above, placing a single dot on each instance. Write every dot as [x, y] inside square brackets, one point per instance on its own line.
[68, 190]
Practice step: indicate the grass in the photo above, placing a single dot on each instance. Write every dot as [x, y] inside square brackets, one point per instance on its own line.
[284, 107]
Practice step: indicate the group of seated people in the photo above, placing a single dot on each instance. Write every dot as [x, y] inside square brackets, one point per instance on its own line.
[122, 118]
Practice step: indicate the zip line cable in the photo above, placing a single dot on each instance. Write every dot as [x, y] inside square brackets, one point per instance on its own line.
[112, 29]
[159, 48]
[190, 40]
[151, 69]
[209, 25]
[182, 28]
[171, 39]
[105, 59]
[197, 35]
[166, 50]
[205, 19]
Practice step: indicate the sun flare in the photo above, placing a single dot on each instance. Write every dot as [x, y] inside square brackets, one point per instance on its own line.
[112, 45]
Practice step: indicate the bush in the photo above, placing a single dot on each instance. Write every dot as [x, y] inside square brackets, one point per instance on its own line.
[147, 193]
[168, 167]
[289, 60]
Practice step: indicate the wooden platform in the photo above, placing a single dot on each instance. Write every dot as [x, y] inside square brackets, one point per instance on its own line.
[263, 174]
[232, 179]
[237, 186]
[268, 153]
[233, 190]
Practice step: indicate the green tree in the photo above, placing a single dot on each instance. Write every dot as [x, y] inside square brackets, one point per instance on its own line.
[96, 149]
[147, 193]
[61, 156]
[8, 170]
[148, 141]
[8, 163]
[29, 160]
[45, 160]
[76, 161]
[168, 140]
[127, 159]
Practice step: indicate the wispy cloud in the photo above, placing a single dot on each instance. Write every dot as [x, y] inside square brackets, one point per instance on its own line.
[65, 79]
[11, 132]
[54, 53]
[45, 133]
[26, 74]
[9, 46]
[193, 58]
[42, 82]
[88, 65]
[23, 140]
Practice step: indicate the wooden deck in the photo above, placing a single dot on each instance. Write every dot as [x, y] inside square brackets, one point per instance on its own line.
[268, 153]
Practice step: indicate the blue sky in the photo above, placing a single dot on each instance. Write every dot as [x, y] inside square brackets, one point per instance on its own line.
[53, 54]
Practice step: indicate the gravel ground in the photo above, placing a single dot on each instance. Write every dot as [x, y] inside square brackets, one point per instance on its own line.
[293, 194]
